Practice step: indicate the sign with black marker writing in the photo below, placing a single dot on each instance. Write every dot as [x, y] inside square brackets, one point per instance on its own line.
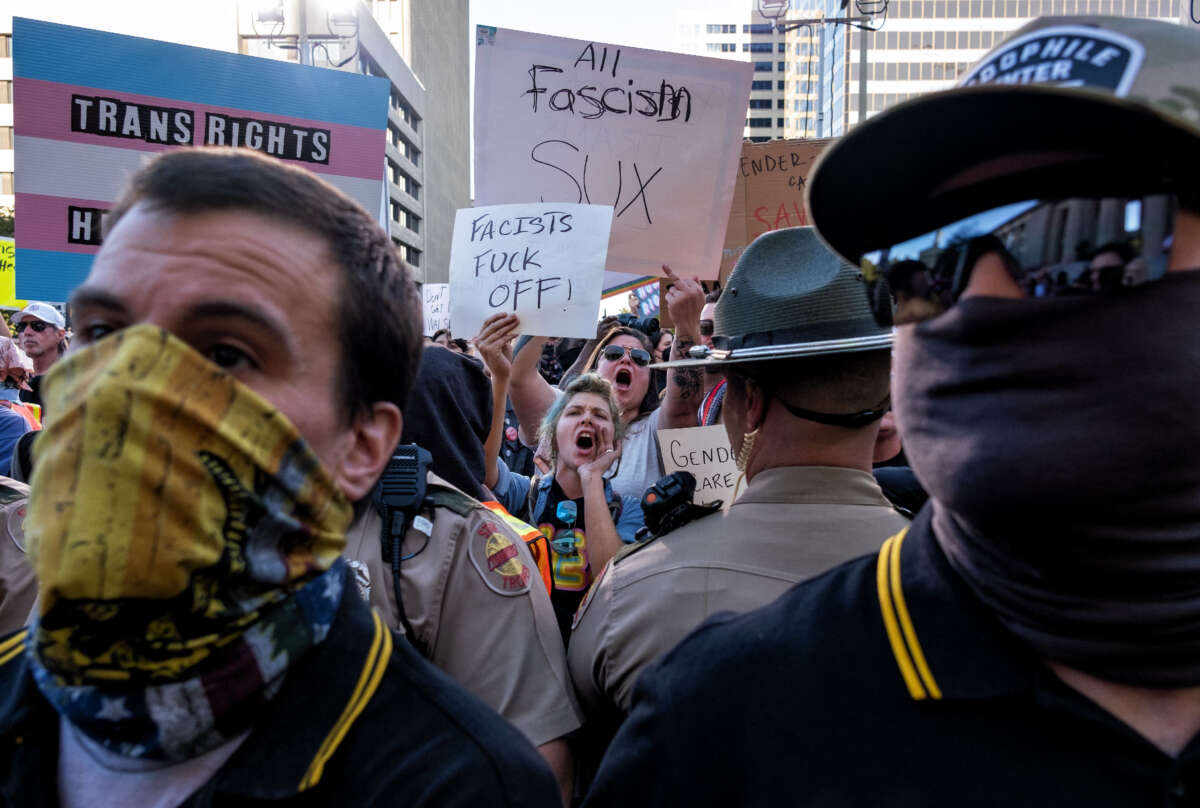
[654, 134]
[543, 261]
[435, 298]
[704, 452]
[95, 106]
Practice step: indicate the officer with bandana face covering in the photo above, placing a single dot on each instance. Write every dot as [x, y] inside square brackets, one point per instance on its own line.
[1033, 637]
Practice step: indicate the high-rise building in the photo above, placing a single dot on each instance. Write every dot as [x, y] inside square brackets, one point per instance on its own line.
[784, 67]
[926, 45]
[6, 119]
[807, 80]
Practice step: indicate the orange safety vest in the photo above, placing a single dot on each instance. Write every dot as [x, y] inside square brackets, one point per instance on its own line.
[535, 540]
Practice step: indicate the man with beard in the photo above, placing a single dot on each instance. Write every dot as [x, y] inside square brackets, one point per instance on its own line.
[1034, 637]
[198, 639]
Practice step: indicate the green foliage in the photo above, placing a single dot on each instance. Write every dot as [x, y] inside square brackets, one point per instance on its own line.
[6, 221]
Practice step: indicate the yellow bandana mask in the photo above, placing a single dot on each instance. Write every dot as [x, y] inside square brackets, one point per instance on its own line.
[181, 531]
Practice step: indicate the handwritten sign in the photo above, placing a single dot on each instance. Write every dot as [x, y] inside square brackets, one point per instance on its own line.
[436, 299]
[704, 452]
[769, 194]
[565, 120]
[545, 262]
[94, 106]
[8, 275]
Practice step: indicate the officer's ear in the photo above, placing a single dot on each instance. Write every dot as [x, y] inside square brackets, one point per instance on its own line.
[367, 449]
[756, 401]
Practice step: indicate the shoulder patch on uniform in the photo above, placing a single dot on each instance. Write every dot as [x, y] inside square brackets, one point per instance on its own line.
[587, 599]
[450, 498]
[497, 558]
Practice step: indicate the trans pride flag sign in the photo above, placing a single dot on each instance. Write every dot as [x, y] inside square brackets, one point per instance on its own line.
[90, 107]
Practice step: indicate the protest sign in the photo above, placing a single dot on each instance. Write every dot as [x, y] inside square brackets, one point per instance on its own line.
[436, 299]
[652, 133]
[769, 194]
[704, 452]
[8, 274]
[94, 106]
[545, 262]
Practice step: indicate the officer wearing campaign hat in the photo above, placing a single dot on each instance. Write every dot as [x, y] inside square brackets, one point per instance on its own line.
[1034, 637]
[807, 373]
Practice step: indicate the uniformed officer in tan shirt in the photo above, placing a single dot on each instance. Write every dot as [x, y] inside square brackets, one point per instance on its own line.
[479, 611]
[807, 377]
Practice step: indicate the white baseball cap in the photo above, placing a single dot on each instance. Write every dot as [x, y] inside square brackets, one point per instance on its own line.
[40, 311]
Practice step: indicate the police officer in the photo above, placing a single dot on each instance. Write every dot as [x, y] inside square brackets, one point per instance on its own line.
[807, 373]
[474, 598]
[1034, 637]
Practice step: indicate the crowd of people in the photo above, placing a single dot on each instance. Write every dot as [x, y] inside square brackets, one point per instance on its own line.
[260, 550]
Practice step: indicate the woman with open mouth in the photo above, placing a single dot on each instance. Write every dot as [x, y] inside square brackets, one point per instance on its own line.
[623, 357]
[574, 505]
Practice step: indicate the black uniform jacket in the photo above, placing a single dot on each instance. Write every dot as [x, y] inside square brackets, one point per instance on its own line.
[884, 682]
[361, 720]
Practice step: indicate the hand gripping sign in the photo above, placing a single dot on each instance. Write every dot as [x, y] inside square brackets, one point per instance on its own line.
[543, 261]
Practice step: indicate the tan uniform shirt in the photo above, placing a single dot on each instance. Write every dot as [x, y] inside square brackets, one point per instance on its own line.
[480, 612]
[18, 587]
[788, 525]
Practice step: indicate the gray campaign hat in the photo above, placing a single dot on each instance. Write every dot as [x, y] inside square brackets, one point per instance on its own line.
[788, 297]
[1067, 106]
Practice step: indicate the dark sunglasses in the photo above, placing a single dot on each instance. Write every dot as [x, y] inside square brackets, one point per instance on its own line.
[706, 328]
[614, 353]
[1049, 248]
[37, 325]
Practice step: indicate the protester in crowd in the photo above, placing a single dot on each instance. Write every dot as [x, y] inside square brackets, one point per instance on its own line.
[199, 640]
[662, 345]
[802, 419]
[42, 334]
[452, 593]
[18, 587]
[16, 418]
[573, 504]
[623, 357]
[1034, 637]
[442, 337]
[709, 412]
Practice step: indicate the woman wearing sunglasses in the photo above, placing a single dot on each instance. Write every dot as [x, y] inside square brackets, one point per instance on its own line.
[575, 507]
[623, 357]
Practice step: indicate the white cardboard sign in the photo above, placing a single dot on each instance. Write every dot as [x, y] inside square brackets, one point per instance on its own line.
[436, 300]
[656, 135]
[704, 451]
[543, 261]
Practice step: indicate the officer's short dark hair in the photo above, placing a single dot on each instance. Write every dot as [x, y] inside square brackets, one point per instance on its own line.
[836, 384]
[378, 309]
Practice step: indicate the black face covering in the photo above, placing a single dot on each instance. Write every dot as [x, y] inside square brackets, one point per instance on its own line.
[1060, 441]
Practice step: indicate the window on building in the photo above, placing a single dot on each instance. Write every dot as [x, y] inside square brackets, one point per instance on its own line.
[903, 40]
[976, 39]
[782, 47]
[728, 47]
[6, 137]
[763, 67]
[5, 45]
[760, 103]
[926, 71]
[5, 92]
[759, 123]
[760, 85]
[412, 256]
[759, 28]
[902, 71]
[890, 75]
[779, 84]
[760, 47]
[779, 122]
[712, 29]
[778, 103]
[781, 66]
[6, 183]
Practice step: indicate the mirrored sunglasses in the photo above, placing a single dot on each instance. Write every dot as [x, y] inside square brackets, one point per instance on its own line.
[37, 325]
[614, 353]
[1050, 248]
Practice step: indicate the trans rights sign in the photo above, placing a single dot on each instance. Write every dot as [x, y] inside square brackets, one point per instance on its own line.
[654, 134]
[89, 108]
